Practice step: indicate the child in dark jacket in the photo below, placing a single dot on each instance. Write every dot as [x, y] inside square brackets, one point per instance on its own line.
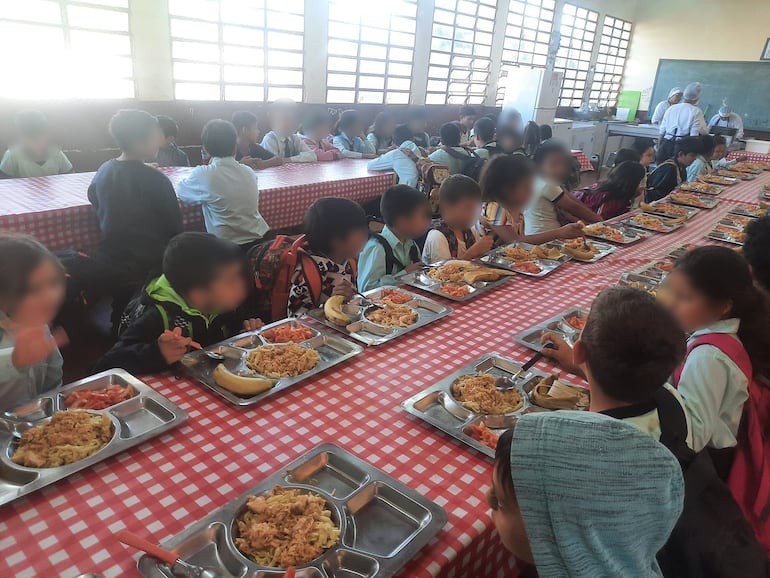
[193, 304]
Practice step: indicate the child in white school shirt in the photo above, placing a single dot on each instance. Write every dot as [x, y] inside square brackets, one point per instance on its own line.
[283, 141]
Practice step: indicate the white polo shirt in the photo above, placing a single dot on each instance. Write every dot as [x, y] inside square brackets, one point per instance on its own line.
[683, 119]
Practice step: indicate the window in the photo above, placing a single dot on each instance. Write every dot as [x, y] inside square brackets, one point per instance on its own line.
[66, 48]
[578, 30]
[527, 36]
[237, 49]
[460, 51]
[371, 49]
[611, 61]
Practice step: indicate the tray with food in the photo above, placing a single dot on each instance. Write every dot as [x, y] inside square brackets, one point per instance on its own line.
[750, 209]
[468, 406]
[750, 168]
[693, 200]
[755, 165]
[765, 193]
[327, 514]
[701, 187]
[727, 234]
[651, 286]
[669, 210]
[586, 251]
[736, 174]
[530, 260]
[615, 233]
[66, 430]
[255, 365]
[657, 270]
[677, 251]
[737, 221]
[383, 314]
[450, 279]
[717, 180]
[653, 223]
[568, 325]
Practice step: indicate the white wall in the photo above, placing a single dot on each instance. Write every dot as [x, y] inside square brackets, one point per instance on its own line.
[693, 30]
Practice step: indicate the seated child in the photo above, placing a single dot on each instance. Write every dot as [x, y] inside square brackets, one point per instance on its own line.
[401, 160]
[314, 131]
[33, 155]
[560, 495]
[719, 157]
[169, 154]
[625, 155]
[468, 116]
[755, 251]
[484, 137]
[336, 231]
[553, 162]
[226, 189]
[701, 166]
[616, 194]
[192, 304]
[31, 292]
[248, 151]
[386, 256]
[671, 173]
[418, 124]
[349, 137]
[450, 154]
[530, 138]
[381, 132]
[454, 235]
[283, 141]
[506, 187]
[645, 148]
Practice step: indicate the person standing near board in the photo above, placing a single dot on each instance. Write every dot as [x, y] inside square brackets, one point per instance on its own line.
[681, 120]
[726, 118]
[674, 97]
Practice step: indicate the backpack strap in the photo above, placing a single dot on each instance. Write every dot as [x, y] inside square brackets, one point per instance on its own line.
[457, 154]
[163, 315]
[391, 261]
[728, 345]
[673, 426]
[409, 154]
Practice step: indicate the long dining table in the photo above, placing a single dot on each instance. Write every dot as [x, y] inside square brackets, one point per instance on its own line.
[56, 210]
[166, 484]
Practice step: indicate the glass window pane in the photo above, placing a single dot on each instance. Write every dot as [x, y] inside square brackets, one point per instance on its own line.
[340, 96]
[196, 91]
[194, 30]
[196, 71]
[83, 17]
[243, 92]
[41, 11]
[244, 74]
[276, 92]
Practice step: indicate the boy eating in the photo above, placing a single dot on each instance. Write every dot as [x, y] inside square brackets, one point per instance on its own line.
[248, 151]
[406, 212]
[33, 155]
[283, 141]
[169, 154]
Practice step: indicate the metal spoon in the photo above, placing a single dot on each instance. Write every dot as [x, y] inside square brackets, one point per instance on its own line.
[508, 383]
[366, 302]
[178, 566]
[15, 427]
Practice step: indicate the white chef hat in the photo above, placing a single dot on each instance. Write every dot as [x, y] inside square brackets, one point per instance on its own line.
[693, 90]
[674, 91]
[724, 110]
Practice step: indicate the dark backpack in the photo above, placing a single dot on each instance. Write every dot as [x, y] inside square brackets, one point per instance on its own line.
[430, 174]
[391, 262]
[712, 538]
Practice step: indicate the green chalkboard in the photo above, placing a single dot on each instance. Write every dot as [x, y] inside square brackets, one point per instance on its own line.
[745, 85]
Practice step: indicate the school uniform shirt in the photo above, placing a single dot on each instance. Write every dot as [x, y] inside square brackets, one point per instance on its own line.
[256, 152]
[229, 196]
[714, 390]
[437, 246]
[421, 139]
[665, 178]
[371, 262]
[332, 274]
[446, 159]
[683, 119]
[138, 214]
[734, 120]
[289, 147]
[379, 143]
[171, 155]
[540, 214]
[700, 166]
[722, 163]
[482, 153]
[496, 214]
[353, 147]
[17, 163]
[323, 149]
[659, 111]
[398, 162]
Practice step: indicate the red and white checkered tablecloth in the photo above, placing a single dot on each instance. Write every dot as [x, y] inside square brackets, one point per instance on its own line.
[750, 157]
[585, 163]
[168, 483]
[56, 210]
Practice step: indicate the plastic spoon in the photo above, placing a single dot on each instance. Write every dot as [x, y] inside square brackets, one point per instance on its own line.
[170, 558]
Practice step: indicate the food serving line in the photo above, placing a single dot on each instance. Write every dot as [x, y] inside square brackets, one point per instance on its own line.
[163, 486]
[56, 211]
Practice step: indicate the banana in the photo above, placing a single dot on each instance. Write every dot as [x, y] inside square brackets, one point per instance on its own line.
[239, 384]
[333, 310]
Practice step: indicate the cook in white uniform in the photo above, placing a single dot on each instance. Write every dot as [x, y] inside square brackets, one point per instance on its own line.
[725, 118]
[681, 120]
[674, 97]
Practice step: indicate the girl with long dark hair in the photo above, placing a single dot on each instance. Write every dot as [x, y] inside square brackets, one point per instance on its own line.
[615, 195]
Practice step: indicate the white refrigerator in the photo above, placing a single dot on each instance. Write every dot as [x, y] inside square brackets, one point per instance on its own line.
[533, 92]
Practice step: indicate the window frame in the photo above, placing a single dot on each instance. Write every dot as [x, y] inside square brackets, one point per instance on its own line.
[605, 92]
[576, 74]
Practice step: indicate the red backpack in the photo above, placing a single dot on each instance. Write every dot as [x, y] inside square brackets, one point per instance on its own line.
[273, 264]
[749, 478]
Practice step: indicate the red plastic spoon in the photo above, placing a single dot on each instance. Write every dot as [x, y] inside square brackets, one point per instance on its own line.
[178, 566]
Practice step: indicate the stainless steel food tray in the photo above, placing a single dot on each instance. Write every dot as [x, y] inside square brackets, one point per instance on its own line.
[736, 221]
[496, 258]
[383, 523]
[652, 209]
[694, 188]
[651, 286]
[656, 270]
[630, 234]
[677, 251]
[717, 235]
[667, 225]
[369, 333]
[420, 280]
[531, 337]
[437, 406]
[146, 415]
[331, 349]
[704, 201]
[604, 250]
[748, 210]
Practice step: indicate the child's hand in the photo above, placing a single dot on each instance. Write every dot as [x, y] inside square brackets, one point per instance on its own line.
[482, 246]
[173, 345]
[34, 344]
[571, 231]
[252, 324]
[561, 352]
[414, 267]
[345, 288]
